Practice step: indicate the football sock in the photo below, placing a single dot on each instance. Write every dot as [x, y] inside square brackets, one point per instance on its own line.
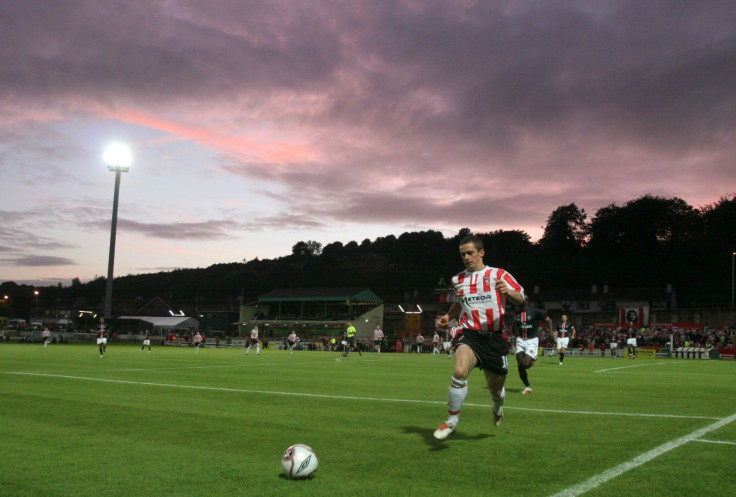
[523, 375]
[562, 357]
[455, 398]
[498, 401]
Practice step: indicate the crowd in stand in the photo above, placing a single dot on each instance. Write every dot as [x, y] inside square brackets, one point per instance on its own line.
[653, 336]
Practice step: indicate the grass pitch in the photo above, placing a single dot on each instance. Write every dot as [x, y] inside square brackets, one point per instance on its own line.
[175, 423]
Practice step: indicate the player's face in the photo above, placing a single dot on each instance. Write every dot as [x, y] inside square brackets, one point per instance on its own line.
[472, 257]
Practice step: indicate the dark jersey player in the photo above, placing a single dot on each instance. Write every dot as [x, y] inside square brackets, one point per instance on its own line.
[526, 328]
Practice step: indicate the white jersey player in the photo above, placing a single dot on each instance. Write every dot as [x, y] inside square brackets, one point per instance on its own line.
[254, 341]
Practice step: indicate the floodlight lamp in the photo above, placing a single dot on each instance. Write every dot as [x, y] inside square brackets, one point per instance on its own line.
[118, 157]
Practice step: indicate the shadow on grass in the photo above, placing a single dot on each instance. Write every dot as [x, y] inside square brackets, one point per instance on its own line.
[434, 444]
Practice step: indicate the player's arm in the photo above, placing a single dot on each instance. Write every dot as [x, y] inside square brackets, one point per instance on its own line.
[450, 315]
[516, 297]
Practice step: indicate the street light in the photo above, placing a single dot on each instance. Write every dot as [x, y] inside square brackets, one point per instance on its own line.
[117, 158]
[35, 296]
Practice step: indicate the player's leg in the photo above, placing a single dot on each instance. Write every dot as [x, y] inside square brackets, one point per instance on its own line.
[524, 361]
[562, 347]
[465, 361]
[495, 384]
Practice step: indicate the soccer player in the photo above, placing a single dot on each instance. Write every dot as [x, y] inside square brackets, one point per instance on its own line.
[102, 338]
[46, 336]
[435, 343]
[377, 339]
[614, 344]
[482, 293]
[451, 339]
[350, 332]
[292, 341]
[254, 341]
[564, 332]
[146, 341]
[527, 341]
[197, 341]
[420, 343]
[631, 342]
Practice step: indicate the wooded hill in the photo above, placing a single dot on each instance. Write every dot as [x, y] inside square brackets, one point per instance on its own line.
[647, 242]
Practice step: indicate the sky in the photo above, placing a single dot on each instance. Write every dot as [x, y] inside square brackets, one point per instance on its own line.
[254, 125]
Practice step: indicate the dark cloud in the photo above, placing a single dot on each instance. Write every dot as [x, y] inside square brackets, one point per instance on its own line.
[15, 238]
[40, 260]
[205, 230]
[436, 113]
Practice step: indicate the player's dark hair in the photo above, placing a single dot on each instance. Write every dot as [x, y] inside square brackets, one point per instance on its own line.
[477, 242]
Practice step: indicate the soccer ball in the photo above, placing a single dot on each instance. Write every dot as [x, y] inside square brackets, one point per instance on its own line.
[299, 461]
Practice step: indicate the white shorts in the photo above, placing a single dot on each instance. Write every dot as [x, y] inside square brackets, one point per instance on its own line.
[146, 342]
[562, 342]
[529, 347]
[101, 340]
[614, 345]
[631, 341]
[446, 345]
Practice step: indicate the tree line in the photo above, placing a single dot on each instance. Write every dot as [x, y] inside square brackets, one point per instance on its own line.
[650, 241]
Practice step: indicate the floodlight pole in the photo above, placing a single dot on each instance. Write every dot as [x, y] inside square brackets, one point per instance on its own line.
[118, 158]
[113, 230]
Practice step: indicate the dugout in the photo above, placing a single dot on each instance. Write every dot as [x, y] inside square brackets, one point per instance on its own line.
[158, 326]
[313, 312]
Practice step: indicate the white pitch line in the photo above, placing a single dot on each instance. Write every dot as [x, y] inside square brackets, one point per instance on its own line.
[715, 441]
[604, 413]
[175, 368]
[339, 397]
[225, 389]
[598, 480]
[629, 367]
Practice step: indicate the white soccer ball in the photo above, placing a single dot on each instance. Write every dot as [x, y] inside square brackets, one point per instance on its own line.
[299, 461]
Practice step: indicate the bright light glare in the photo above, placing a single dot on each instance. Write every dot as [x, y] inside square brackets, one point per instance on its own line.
[117, 156]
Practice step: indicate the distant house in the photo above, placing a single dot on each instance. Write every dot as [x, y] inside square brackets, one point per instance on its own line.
[618, 305]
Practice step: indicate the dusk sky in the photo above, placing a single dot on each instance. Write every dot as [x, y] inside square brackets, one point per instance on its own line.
[257, 124]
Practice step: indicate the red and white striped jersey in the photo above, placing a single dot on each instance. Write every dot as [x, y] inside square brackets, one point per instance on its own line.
[254, 334]
[377, 334]
[483, 306]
